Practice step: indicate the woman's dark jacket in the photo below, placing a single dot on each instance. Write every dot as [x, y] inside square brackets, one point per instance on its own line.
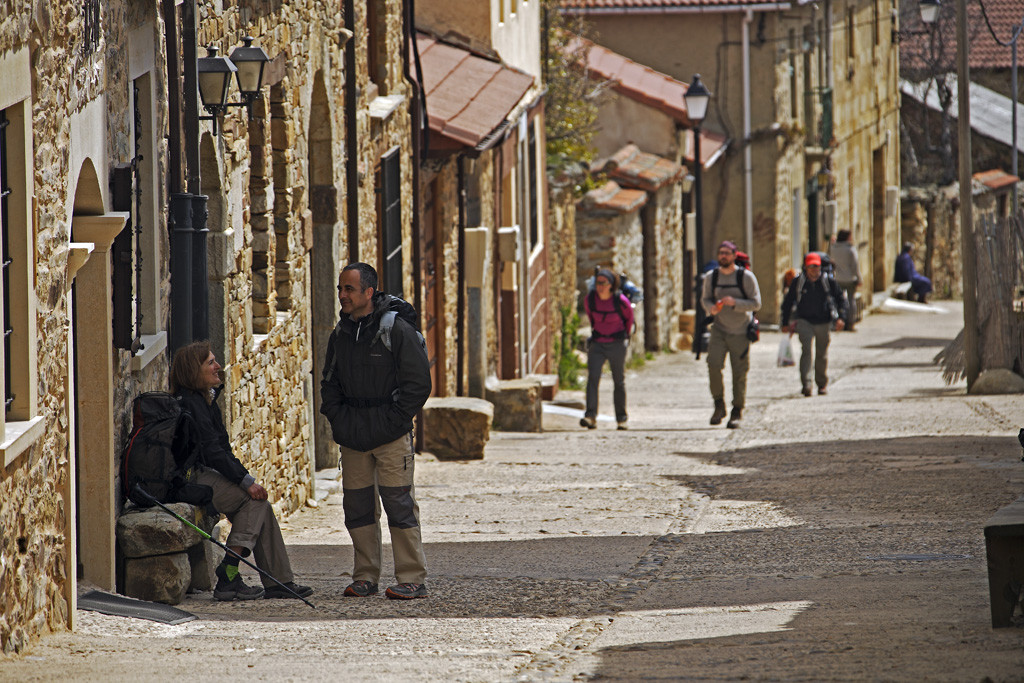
[370, 394]
[215, 448]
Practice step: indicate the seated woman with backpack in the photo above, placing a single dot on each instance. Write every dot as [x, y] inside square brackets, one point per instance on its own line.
[195, 379]
[611, 320]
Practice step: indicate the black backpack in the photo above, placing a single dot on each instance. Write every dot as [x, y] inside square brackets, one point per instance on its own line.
[162, 451]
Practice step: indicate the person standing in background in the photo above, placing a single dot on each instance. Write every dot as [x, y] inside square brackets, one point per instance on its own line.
[847, 273]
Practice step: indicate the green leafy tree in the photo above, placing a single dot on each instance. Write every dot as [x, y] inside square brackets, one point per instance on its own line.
[570, 116]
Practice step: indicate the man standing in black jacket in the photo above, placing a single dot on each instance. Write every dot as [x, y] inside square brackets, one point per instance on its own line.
[376, 378]
[812, 305]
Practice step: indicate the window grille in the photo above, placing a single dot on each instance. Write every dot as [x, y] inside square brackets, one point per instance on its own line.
[391, 221]
[90, 26]
[127, 248]
[5, 261]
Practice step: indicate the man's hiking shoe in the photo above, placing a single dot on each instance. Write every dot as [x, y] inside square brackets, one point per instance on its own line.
[234, 590]
[735, 418]
[716, 417]
[807, 390]
[407, 591]
[588, 422]
[623, 426]
[822, 390]
[361, 589]
[276, 591]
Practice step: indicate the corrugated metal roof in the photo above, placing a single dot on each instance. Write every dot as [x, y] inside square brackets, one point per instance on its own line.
[991, 113]
[611, 198]
[631, 168]
[468, 96]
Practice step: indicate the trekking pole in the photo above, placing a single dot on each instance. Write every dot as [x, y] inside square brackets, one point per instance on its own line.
[142, 492]
[1020, 437]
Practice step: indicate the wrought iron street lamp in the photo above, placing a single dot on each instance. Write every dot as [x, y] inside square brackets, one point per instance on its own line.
[697, 97]
[247, 63]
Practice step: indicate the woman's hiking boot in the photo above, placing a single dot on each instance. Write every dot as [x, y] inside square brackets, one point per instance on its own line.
[716, 417]
[234, 589]
[291, 590]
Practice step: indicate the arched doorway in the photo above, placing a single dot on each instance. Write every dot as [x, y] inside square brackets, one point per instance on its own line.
[92, 388]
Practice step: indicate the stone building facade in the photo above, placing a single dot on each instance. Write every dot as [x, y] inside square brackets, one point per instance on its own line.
[322, 173]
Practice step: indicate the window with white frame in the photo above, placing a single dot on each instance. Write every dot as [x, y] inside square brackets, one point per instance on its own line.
[19, 424]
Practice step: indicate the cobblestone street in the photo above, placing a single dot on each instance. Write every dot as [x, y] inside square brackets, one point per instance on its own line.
[835, 537]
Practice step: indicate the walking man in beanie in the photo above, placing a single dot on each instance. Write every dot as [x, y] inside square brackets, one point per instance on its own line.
[730, 294]
[812, 305]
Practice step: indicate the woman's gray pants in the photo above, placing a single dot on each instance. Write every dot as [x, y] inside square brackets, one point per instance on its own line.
[615, 353]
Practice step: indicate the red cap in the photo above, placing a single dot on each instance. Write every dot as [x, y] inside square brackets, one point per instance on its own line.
[812, 259]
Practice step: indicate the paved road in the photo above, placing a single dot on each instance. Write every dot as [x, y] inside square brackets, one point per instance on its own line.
[836, 537]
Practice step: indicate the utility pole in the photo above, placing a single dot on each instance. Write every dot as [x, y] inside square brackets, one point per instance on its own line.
[972, 362]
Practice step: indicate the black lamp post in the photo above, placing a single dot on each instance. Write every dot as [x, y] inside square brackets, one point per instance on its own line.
[697, 97]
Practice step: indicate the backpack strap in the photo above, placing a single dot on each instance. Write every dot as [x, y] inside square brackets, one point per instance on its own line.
[739, 281]
[387, 321]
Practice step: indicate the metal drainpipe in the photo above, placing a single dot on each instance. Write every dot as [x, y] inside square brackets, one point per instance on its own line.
[418, 115]
[460, 324]
[748, 165]
[351, 135]
[200, 310]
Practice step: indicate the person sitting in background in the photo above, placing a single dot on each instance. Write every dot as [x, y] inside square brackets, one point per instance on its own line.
[906, 272]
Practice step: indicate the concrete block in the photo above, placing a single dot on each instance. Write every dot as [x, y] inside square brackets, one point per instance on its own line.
[517, 404]
[457, 428]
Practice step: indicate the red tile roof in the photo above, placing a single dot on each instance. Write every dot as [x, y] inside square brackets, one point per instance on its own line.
[468, 96]
[647, 86]
[632, 168]
[995, 179]
[610, 198]
[918, 45]
[635, 81]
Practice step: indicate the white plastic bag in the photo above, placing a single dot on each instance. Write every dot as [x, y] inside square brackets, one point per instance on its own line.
[785, 357]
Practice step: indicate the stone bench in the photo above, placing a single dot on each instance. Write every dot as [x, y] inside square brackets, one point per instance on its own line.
[1004, 550]
[517, 404]
[457, 428]
[163, 557]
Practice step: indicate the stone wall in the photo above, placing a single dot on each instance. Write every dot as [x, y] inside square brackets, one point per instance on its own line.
[663, 287]
[563, 288]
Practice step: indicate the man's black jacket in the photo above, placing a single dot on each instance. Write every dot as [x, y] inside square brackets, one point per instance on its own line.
[370, 394]
[814, 304]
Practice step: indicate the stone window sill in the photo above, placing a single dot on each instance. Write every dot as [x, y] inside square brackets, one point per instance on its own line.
[19, 436]
[152, 346]
[381, 108]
